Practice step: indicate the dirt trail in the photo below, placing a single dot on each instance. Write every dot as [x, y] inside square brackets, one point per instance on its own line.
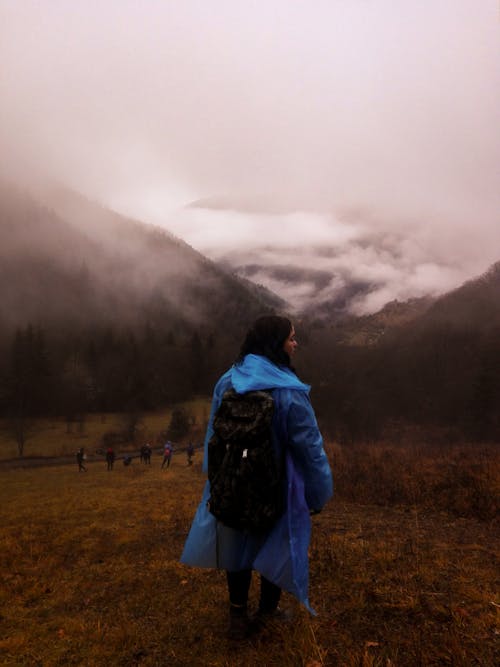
[70, 459]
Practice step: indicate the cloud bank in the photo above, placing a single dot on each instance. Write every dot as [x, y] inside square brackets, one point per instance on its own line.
[311, 258]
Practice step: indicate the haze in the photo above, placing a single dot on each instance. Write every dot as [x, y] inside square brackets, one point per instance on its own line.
[346, 124]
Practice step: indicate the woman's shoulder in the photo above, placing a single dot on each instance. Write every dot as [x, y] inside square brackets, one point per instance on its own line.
[223, 383]
[291, 396]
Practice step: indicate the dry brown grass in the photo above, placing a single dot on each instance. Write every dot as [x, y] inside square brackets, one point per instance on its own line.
[461, 479]
[91, 573]
[51, 437]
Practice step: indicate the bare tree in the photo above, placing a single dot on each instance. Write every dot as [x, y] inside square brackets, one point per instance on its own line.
[20, 427]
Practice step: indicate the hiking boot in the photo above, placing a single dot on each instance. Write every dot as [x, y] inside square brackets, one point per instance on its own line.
[278, 615]
[240, 626]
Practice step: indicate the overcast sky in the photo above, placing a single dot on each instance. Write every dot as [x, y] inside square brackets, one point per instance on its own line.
[389, 108]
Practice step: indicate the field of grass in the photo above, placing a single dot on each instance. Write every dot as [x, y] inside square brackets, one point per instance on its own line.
[55, 437]
[90, 563]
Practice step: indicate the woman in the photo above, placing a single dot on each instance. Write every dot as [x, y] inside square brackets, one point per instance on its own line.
[280, 555]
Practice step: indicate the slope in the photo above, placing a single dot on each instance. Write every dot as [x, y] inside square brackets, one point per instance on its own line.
[72, 262]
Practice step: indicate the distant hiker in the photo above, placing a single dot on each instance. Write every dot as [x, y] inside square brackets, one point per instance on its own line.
[127, 460]
[167, 454]
[279, 553]
[190, 454]
[110, 457]
[146, 453]
[80, 457]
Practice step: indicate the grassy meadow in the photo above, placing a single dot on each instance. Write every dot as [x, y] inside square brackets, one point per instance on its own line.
[58, 437]
[403, 567]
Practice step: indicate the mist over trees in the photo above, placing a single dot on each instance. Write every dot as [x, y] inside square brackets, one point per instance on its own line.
[437, 379]
[102, 313]
[99, 313]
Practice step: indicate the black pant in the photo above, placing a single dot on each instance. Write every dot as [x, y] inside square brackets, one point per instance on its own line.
[239, 585]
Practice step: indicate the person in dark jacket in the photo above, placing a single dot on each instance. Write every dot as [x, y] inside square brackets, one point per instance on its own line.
[190, 454]
[80, 458]
[281, 554]
[167, 454]
[110, 458]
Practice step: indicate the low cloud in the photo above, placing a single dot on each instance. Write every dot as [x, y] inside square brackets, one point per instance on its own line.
[308, 258]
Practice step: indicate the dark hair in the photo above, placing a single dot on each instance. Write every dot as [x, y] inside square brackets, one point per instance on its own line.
[267, 337]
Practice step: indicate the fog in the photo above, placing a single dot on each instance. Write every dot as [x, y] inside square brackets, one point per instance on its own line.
[367, 127]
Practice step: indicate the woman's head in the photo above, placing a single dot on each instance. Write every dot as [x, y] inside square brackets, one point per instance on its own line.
[273, 337]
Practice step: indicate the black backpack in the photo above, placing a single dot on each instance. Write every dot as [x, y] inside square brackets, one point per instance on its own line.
[246, 479]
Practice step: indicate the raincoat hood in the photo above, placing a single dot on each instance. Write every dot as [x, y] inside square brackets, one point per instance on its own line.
[256, 372]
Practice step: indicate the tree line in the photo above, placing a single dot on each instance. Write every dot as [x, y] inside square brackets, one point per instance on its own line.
[442, 381]
[111, 370]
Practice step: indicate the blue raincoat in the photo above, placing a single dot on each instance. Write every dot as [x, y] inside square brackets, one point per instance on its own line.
[281, 554]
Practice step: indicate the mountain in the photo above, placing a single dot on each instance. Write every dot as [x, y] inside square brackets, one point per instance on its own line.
[68, 262]
[327, 265]
[99, 312]
[475, 304]
[371, 329]
[427, 369]
[312, 293]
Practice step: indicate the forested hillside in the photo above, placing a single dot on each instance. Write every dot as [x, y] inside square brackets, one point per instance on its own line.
[99, 312]
[102, 313]
[433, 370]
